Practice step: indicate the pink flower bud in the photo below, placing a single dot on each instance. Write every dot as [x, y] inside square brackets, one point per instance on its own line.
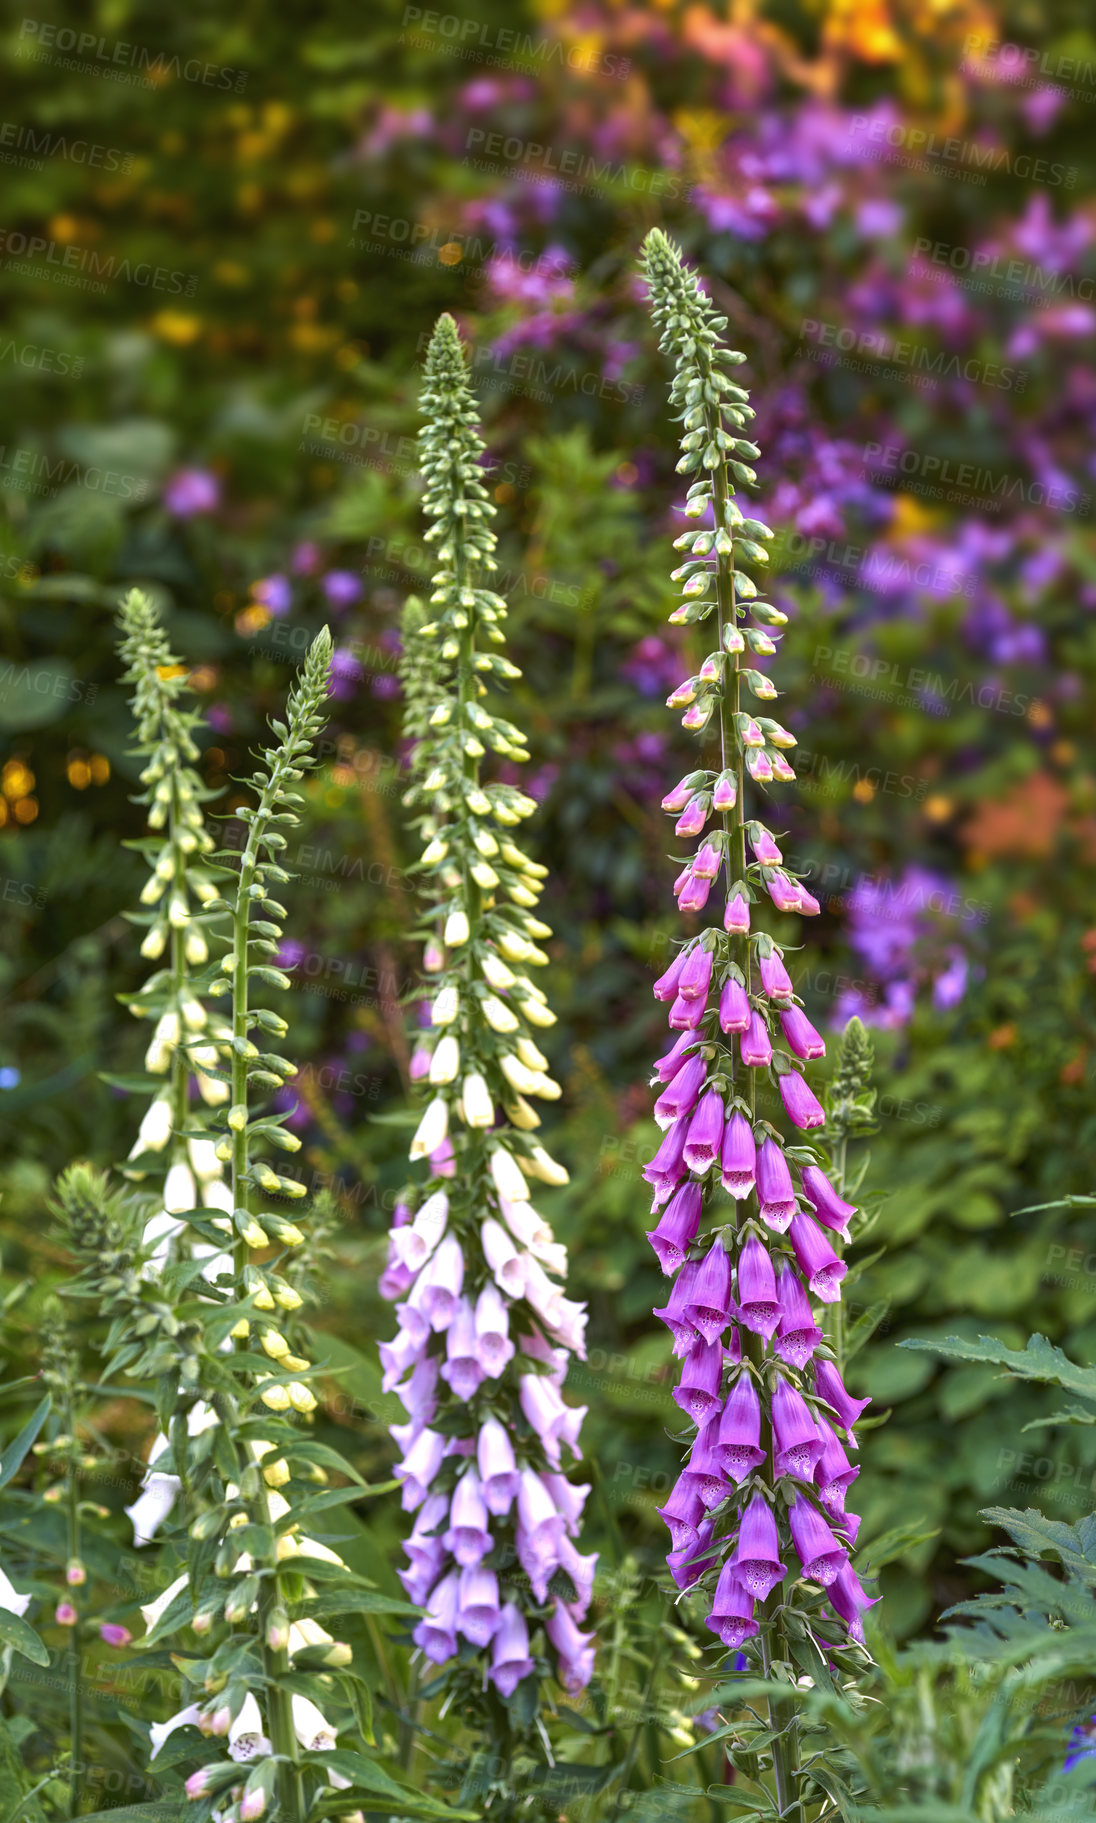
[66, 1614]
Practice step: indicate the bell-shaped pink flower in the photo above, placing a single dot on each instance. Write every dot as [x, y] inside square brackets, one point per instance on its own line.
[801, 1104]
[680, 1096]
[796, 1442]
[775, 1193]
[798, 1335]
[738, 1445]
[705, 1136]
[682, 1513]
[830, 1386]
[677, 1227]
[674, 1313]
[468, 1537]
[738, 1157]
[736, 918]
[819, 1552]
[711, 1303]
[695, 977]
[756, 1558]
[732, 1615]
[775, 978]
[756, 1045]
[478, 1605]
[492, 1331]
[849, 1600]
[667, 1167]
[832, 1211]
[437, 1634]
[799, 1034]
[701, 1378]
[764, 847]
[499, 1477]
[461, 1369]
[510, 1660]
[704, 1467]
[734, 1007]
[817, 1260]
[834, 1474]
[758, 1308]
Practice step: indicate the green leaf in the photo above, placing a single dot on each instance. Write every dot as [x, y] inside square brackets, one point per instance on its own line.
[1040, 1360]
[368, 1778]
[11, 1460]
[14, 1631]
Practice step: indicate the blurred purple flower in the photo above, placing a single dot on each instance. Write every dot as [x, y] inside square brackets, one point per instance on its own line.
[274, 592]
[191, 491]
[341, 587]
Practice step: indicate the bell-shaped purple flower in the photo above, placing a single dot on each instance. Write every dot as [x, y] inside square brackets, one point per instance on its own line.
[549, 1416]
[674, 1312]
[818, 1262]
[677, 1226]
[736, 919]
[764, 847]
[711, 1304]
[798, 1335]
[478, 1606]
[830, 1387]
[732, 1615]
[849, 1600]
[437, 1634]
[801, 1104]
[774, 976]
[686, 1015]
[468, 1536]
[756, 1045]
[539, 1516]
[693, 896]
[461, 1368]
[668, 1066]
[444, 1276]
[492, 1326]
[694, 816]
[834, 1474]
[775, 1193]
[738, 1158]
[667, 1167]
[701, 1379]
[756, 1557]
[832, 1210]
[510, 1660]
[738, 1445]
[704, 1468]
[695, 977]
[665, 988]
[734, 1007]
[705, 1135]
[575, 1650]
[816, 1547]
[799, 1034]
[680, 1095]
[692, 1561]
[758, 1308]
[682, 1513]
[569, 1500]
[419, 1468]
[581, 1571]
[796, 1442]
[498, 1471]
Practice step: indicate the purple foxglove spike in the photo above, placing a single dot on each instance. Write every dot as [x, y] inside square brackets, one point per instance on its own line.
[849, 1600]
[478, 1606]
[545, 1411]
[757, 1050]
[801, 1104]
[682, 1513]
[711, 1304]
[679, 796]
[798, 1334]
[832, 1211]
[796, 1442]
[680, 1097]
[494, 1348]
[468, 1537]
[830, 1386]
[693, 896]
[538, 1514]
[667, 1167]
[510, 1660]
[775, 978]
[764, 847]
[419, 1395]
[461, 1370]
[498, 1471]
[738, 1444]
[817, 1260]
[694, 816]
[725, 795]
[736, 919]
[734, 1007]
[775, 1193]
[676, 1230]
[668, 1066]
[689, 1564]
[665, 988]
[757, 1305]
[834, 1474]
[581, 1571]
[819, 1552]
[419, 1467]
[437, 1634]
[738, 1158]
[785, 893]
[706, 862]
[696, 976]
[705, 1469]
[705, 1135]
[686, 1015]
[701, 1379]
[674, 1311]
[799, 1034]
[732, 1615]
[446, 1277]
[756, 1557]
[568, 1498]
[574, 1649]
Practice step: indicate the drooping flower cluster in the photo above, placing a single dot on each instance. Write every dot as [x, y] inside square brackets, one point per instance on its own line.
[485, 1329]
[744, 1213]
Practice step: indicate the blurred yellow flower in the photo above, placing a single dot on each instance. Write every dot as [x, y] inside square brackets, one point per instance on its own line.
[176, 327]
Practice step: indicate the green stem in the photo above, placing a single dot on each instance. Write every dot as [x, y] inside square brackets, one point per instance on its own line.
[76, 1692]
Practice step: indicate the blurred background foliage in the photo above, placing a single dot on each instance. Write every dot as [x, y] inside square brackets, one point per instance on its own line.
[223, 251]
